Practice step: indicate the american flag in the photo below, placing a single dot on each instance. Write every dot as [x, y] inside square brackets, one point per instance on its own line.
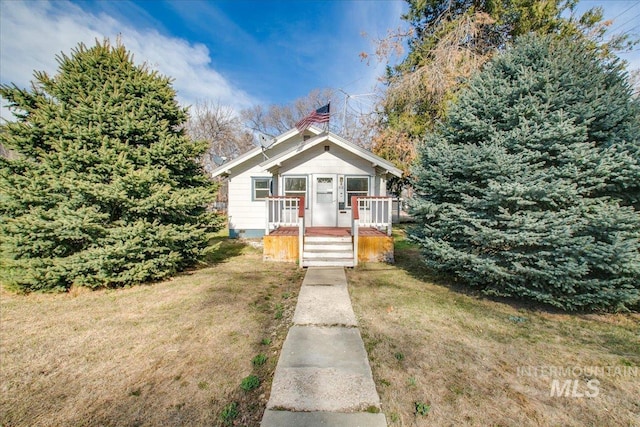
[321, 115]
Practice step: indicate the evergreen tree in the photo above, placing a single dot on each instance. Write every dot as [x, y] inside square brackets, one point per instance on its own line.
[104, 190]
[531, 187]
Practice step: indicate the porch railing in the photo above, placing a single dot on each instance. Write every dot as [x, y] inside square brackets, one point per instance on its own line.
[374, 212]
[283, 212]
[286, 212]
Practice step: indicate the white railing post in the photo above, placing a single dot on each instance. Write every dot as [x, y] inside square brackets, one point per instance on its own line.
[300, 241]
[267, 217]
[376, 212]
[389, 216]
[300, 215]
[355, 225]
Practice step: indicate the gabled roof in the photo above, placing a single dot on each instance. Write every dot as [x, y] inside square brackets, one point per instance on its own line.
[321, 136]
[376, 161]
[258, 150]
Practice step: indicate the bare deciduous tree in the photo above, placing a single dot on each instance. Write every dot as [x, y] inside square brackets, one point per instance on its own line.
[354, 120]
[220, 126]
[277, 119]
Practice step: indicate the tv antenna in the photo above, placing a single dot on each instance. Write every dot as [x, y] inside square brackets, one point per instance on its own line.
[348, 96]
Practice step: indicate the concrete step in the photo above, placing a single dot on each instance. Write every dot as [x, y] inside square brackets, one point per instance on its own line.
[325, 239]
[331, 246]
[311, 253]
[327, 262]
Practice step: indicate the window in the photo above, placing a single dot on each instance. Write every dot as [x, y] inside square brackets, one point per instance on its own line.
[261, 188]
[295, 186]
[357, 186]
[324, 190]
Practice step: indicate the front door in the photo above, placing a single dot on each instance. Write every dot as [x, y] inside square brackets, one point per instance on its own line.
[325, 201]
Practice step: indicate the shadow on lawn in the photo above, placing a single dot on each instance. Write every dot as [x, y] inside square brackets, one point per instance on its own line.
[222, 249]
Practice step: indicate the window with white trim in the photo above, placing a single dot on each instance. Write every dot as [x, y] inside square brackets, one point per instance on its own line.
[295, 186]
[356, 186]
[261, 188]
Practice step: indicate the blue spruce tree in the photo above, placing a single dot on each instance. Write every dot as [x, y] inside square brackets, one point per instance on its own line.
[531, 187]
[104, 189]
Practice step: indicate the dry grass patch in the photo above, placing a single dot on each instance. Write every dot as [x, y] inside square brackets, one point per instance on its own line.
[171, 353]
[442, 356]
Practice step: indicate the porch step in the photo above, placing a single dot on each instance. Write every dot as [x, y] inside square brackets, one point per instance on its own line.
[327, 251]
[324, 262]
[324, 239]
[328, 246]
[308, 254]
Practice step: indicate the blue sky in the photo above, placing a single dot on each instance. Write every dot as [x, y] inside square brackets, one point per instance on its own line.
[239, 53]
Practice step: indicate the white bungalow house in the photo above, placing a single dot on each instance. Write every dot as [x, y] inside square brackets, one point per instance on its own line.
[307, 186]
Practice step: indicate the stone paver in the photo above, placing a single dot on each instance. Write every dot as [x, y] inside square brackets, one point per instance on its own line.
[323, 377]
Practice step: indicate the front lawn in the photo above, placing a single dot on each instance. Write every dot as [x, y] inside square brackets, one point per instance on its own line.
[178, 352]
[441, 355]
[170, 353]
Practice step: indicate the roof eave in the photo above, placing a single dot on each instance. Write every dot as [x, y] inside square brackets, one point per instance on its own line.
[223, 169]
[361, 152]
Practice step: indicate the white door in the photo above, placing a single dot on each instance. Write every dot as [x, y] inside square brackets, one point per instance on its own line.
[325, 201]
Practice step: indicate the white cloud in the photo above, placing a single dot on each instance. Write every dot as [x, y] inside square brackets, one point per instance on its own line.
[33, 33]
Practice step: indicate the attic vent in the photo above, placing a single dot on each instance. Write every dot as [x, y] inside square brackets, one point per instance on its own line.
[304, 138]
[326, 148]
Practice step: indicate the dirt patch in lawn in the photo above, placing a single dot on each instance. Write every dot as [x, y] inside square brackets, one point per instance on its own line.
[442, 356]
[171, 353]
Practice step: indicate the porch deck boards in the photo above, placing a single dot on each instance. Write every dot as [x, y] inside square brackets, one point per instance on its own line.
[327, 231]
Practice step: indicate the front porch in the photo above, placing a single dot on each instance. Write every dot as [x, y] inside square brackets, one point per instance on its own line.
[367, 240]
[327, 231]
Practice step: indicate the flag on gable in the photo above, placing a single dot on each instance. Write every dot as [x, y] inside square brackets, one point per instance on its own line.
[321, 115]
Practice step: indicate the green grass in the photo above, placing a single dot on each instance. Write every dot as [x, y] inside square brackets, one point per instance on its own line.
[249, 383]
[259, 360]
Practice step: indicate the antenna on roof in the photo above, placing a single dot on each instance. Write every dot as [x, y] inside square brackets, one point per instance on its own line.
[346, 102]
[265, 143]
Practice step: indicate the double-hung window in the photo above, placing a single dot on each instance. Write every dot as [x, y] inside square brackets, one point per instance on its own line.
[261, 188]
[295, 186]
[357, 186]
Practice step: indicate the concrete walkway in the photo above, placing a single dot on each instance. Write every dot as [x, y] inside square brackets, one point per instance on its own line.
[323, 376]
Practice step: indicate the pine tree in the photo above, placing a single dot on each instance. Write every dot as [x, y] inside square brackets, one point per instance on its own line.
[531, 187]
[104, 190]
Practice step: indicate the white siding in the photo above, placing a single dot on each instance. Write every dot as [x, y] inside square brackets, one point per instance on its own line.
[245, 214]
[335, 161]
